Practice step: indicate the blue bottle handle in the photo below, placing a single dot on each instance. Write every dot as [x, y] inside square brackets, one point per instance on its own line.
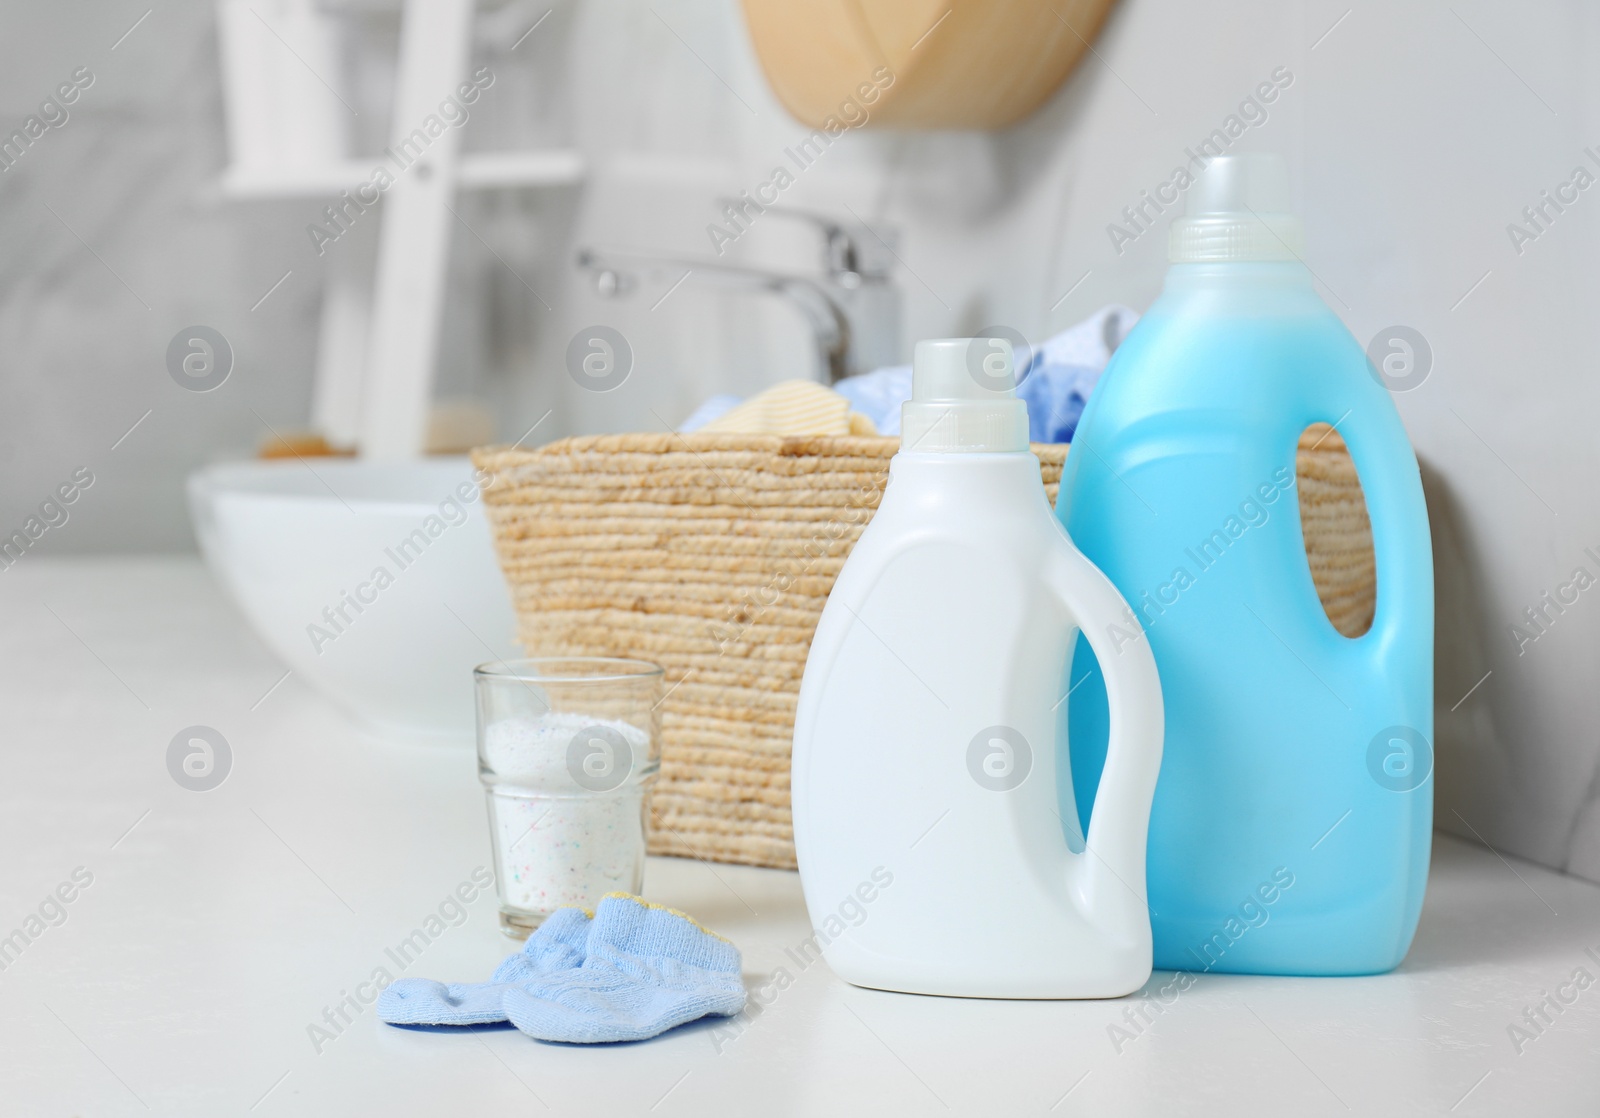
[1401, 636]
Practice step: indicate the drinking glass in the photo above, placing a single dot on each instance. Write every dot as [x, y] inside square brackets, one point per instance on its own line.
[568, 751]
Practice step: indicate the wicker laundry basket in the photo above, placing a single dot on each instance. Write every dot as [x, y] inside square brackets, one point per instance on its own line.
[713, 555]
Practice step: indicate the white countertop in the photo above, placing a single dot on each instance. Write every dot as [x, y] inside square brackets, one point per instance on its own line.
[218, 926]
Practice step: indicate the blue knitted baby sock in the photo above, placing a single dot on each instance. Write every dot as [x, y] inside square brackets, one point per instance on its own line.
[557, 945]
[647, 969]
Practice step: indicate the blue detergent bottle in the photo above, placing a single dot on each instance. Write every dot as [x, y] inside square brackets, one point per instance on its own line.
[1291, 826]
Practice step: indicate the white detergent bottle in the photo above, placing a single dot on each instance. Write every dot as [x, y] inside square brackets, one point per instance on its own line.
[938, 843]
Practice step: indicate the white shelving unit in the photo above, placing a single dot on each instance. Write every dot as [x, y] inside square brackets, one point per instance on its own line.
[289, 137]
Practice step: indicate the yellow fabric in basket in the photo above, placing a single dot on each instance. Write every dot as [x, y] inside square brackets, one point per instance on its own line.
[793, 407]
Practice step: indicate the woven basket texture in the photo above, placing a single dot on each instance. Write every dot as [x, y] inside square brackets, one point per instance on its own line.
[713, 555]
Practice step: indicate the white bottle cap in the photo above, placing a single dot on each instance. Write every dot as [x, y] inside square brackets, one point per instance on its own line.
[1238, 209]
[963, 398]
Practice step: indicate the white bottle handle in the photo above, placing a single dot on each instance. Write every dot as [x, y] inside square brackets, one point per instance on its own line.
[1112, 871]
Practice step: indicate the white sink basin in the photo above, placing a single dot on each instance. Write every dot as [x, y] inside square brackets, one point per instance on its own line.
[376, 582]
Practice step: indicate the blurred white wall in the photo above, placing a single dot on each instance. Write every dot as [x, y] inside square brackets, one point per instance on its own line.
[1417, 133]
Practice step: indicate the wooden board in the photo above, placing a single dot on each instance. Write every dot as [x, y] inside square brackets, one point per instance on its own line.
[976, 64]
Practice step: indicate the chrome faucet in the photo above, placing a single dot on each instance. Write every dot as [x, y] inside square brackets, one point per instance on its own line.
[852, 307]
